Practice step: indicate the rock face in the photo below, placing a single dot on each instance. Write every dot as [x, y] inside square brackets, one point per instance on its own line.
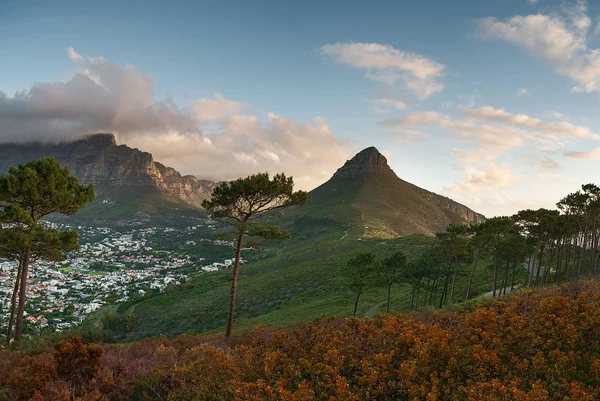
[367, 161]
[98, 160]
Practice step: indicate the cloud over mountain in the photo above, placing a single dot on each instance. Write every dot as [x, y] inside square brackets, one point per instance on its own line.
[214, 138]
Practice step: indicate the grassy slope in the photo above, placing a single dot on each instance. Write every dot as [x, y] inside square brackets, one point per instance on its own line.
[132, 207]
[391, 207]
[299, 279]
[289, 286]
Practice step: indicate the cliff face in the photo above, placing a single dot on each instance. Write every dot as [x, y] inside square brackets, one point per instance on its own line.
[98, 160]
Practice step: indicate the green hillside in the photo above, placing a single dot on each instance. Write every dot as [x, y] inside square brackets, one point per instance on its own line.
[286, 283]
[117, 207]
[365, 207]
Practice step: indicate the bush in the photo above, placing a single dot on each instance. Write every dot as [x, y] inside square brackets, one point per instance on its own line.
[535, 345]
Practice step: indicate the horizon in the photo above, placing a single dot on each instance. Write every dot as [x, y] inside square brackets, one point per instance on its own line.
[491, 105]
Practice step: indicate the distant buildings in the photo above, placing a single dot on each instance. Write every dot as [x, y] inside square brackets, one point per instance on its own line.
[109, 267]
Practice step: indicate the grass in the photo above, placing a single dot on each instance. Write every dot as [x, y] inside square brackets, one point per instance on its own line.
[97, 273]
[160, 251]
[132, 207]
[295, 281]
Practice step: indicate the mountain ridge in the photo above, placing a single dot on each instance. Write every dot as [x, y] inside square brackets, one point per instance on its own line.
[98, 160]
[368, 191]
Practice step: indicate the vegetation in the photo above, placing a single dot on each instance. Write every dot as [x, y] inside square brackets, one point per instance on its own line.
[28, 194]
[239, 201]
[359, 274]
[391, 271]
[531, 346]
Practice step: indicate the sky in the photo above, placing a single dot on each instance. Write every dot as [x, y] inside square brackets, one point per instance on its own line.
[491, 103]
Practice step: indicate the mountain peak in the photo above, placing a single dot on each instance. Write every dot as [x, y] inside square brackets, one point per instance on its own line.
[367, 161]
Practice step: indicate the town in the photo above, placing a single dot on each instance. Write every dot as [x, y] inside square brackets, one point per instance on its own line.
[112, 266]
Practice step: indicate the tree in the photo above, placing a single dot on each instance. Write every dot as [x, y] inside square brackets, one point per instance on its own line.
[489, 236]
[43, 243]
[456, 248]
[535, 225]
[391, 270]
[428, 265]
[28, 194]
[359, 273]
[239, 201]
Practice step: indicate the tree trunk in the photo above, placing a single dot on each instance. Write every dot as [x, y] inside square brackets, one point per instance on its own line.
[418, 292]
[433, 292]
[13, 303]
[568, 252]
[505, 278]
[236, 271]
[454, 274]
[559, 260]
[583, 250]
[549, 265]
[444, 291]
[512, 284]
[22, 297]
[356, 301]
[539, 268]
[532, 263]
[426, 290]
[496, 262]
[594, 246]
[473, 270]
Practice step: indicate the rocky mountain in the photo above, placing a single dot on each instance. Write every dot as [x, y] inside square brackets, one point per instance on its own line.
[365, 191]
[115, 170]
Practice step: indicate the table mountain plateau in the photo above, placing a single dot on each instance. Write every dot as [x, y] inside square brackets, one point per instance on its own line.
[112, 168]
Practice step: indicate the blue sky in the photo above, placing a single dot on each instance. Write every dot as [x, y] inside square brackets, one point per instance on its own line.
[492, 103]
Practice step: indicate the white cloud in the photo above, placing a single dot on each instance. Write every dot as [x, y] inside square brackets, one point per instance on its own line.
[497, 175]
[593, 154]
[560, 39]
[217, 109]
[492, 114]
[379, 110]
[523, 92]
[396, 104]
[242, 145]
[386, 64]
[386, 106]
[107, 97]
[492, 134]
[466, 157]
[544, 162]
[559, 116]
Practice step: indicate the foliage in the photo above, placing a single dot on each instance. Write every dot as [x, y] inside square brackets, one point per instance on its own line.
[534, 345]
[28, 194]
[77, 362]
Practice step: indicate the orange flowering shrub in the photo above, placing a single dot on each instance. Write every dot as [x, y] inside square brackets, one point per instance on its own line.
[536, 345]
